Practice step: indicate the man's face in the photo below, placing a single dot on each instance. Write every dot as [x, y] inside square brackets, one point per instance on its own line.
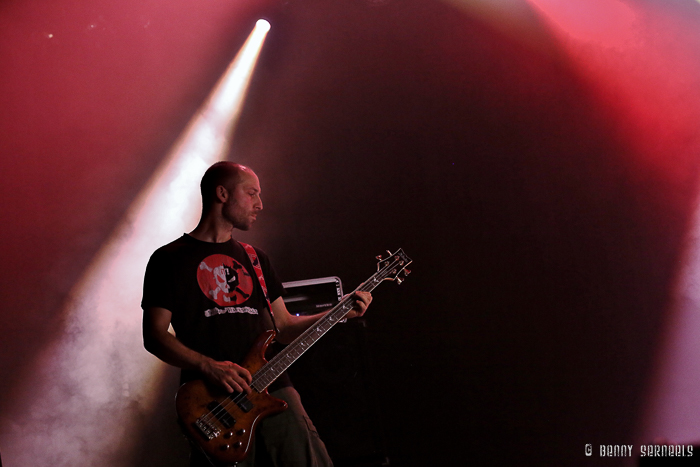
[244, 203]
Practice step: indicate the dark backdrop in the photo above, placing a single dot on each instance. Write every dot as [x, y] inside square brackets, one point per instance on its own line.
[545, 214]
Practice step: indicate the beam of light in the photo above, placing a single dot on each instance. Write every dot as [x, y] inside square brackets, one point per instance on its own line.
[512, 18]
[674, 406]
[90, 390]
[640, 60]
[637, 59]
[609, 23]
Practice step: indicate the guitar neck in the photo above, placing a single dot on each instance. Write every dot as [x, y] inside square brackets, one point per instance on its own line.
[283, 360]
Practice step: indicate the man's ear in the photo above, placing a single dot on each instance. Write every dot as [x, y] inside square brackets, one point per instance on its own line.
[222, 194]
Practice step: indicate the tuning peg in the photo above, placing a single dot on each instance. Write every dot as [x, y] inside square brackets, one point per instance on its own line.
[399, 280]
[406, 272]
[388, 252]
[379, 257]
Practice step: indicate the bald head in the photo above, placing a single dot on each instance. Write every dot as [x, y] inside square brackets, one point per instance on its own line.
[223, 173]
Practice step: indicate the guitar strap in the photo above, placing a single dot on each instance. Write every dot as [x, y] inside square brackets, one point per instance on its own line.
[261, 278]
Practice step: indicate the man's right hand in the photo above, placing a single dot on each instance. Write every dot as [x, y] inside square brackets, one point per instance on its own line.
[228, 375]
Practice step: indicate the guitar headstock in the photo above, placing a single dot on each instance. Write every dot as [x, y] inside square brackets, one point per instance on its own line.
[393, 266]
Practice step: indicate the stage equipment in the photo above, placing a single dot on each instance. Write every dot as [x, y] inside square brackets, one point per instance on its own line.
[312, 296]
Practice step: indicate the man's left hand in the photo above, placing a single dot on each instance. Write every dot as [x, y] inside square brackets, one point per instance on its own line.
[362, 301]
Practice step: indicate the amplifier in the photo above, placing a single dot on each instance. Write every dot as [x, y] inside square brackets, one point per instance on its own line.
[312, 296]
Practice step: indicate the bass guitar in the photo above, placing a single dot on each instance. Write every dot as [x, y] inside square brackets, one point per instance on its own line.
[222, 424]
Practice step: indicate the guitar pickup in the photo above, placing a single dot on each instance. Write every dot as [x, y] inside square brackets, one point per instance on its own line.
[245, 404]
[221, 414]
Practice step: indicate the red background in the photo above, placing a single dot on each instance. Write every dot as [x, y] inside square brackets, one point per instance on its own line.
[543, 182]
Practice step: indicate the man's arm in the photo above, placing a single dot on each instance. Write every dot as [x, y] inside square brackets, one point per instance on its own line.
[291, 326]
[160, 342]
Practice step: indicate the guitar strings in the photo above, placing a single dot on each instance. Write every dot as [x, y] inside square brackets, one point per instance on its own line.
[369, 285]
[239, 397]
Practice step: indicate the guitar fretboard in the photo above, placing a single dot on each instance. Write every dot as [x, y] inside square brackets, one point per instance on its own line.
[283, 360]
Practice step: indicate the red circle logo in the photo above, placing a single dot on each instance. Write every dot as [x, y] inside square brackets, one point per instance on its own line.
[224, 280]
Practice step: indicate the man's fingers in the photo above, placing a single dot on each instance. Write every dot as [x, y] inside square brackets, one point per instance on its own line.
[239, 372]
[362, 302]
[232, 385]
[232, 377]
[240, 378]
[240, 388]
[246, 375]
[364, 297]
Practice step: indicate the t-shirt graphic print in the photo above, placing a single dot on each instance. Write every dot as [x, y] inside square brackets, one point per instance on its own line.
[224, 281]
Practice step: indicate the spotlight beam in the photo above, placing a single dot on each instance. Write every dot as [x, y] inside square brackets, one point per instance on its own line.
[90, 390]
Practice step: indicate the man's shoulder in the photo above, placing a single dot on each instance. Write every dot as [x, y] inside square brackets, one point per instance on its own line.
[176, 245]
[187, 246]
[181, 249]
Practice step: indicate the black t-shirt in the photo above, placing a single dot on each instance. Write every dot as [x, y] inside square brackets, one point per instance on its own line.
[217, 305]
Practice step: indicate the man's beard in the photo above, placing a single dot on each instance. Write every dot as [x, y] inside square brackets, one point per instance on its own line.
[238, 223]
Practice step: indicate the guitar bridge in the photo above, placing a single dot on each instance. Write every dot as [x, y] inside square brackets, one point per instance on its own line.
[207, 429]
[205, 424]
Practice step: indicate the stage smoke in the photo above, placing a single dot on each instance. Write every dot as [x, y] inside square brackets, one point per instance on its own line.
[92, 391]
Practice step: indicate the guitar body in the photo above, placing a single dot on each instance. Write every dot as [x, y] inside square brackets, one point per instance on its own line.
[222, 424]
